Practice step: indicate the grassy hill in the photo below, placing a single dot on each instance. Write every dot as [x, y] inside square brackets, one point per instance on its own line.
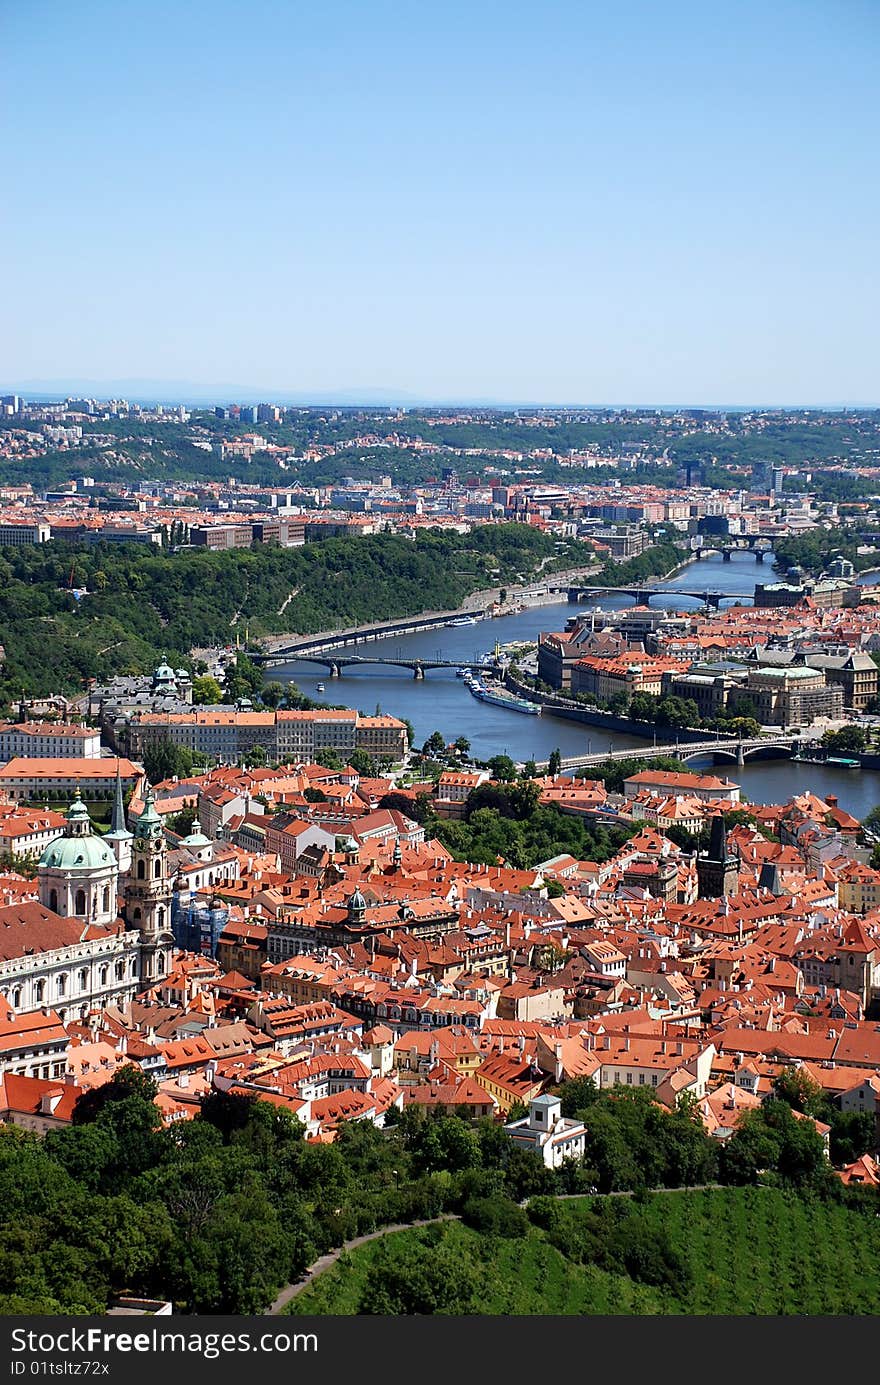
[739, 1250]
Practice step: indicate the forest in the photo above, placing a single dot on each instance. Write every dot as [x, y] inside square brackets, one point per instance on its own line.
[219, 1212]
[725, 1251]
[71, 612]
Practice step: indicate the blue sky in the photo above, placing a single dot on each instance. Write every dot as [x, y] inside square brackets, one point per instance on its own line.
[637, 202]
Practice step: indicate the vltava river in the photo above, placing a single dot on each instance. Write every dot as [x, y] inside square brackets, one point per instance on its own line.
[443, 703]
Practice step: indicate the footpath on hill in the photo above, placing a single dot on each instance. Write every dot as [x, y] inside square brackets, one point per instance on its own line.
[325, 1262]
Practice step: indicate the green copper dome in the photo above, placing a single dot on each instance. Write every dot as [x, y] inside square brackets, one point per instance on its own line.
[77, 853]
[196, 838]
[80, 848]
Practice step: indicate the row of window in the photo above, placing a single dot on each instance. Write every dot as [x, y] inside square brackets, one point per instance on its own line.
[41, 986]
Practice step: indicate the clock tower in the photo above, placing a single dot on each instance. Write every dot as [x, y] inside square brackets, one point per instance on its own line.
[147, 893]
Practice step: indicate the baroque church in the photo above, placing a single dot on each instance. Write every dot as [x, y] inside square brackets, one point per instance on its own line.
[101, 931]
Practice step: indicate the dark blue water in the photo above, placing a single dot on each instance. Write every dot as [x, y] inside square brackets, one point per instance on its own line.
[442, 702]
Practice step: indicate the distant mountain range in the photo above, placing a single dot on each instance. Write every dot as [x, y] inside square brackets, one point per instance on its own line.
[143, 391]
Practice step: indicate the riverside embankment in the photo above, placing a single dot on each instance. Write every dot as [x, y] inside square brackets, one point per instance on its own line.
[487, 601]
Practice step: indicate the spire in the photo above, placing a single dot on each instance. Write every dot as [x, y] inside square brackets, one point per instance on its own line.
[117, 822]
[718, 839]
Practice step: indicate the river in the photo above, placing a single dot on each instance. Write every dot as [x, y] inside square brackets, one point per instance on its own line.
[442, 703]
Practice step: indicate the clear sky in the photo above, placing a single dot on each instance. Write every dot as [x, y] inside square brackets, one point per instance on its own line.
[596, 201]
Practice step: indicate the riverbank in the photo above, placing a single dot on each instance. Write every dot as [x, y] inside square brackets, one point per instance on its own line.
[557, 706]
[484, 603]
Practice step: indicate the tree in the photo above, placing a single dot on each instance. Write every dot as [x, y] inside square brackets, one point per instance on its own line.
[741, 707]
[495, 1216]
[129, 1081]
[273, 693]
[799, 1091]
[529, 770]
[619, 704]
[363, 763]
[330, 759]
[502, 768]
[554, 764]
[182, 823]
[462, 745]
[421, 1279]
[852, 1135]
[677, 711]
[165, 760]
[577, 1095]
[435, 744]
[643, 707]
[256, 757]
[848, 738]
[773, 1139]
[206, 691]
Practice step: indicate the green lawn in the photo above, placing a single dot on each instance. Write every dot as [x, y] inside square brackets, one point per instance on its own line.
[750, 1251]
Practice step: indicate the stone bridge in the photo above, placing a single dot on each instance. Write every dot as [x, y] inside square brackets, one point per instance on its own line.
[725, 748]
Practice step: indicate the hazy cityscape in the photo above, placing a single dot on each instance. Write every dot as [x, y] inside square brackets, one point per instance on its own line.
[439, 814]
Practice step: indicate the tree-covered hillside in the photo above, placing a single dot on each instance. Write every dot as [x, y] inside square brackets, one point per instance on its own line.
[142, 604]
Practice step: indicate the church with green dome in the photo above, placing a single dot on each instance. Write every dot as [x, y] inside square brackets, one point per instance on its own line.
[78, 873]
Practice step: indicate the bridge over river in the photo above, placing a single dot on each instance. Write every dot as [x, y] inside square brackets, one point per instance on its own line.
[643, 594]
[721, 747]
[335, 663]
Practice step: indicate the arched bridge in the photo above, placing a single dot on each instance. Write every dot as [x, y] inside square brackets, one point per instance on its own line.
[335, 663]
[643, 594]
[757, 545]
[725, 748]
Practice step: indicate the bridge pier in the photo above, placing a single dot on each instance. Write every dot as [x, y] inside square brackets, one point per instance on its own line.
[334, 670]
[759, 555]
[726, 555]
[740, 757]
[419, 673]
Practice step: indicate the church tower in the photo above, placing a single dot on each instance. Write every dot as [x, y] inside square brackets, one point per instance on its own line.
[148, 893]
[718, 870]
[119, 839]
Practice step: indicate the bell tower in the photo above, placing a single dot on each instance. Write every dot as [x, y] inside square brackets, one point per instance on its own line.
[148, 893]
[718, 869]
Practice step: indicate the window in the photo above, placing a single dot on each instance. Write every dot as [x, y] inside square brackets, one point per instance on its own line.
[157, 869]
[39, 988]
[61, 984]
[141, 870]
[53, 901]
[106, 900]
[83, 978]
[80, 903]
[102, 976]
[16, 998]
